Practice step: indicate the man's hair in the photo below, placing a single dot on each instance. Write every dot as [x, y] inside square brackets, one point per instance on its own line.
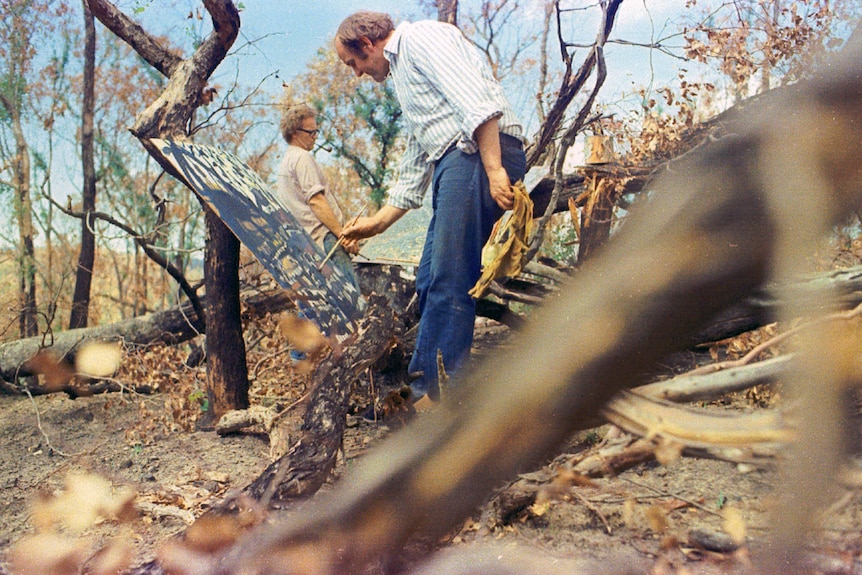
[372, 25]
[292, 116]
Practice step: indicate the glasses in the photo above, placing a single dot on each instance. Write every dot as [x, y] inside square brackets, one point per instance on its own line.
[312, 132]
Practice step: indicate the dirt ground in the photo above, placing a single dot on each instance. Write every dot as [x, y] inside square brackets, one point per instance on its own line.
[649, 519]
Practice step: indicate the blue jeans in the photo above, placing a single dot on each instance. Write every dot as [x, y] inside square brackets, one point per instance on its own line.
[464, 215]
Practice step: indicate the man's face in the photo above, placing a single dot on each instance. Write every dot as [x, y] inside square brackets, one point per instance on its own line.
[369, 60]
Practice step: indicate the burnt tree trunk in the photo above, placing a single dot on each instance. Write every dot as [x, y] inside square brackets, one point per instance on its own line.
[87, 256]
[301, 471]
[447, 11]
[596, 217]
[180, 324]
[227, 371]
[169, 117]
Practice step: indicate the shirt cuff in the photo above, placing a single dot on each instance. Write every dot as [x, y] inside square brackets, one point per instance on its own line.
[313, 190]
[476, 118]
[402, 201]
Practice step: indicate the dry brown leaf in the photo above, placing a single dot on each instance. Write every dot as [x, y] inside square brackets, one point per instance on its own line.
[302, 334]
[667, 451]
[211, 533]
[656, 518]
[568, 477]
[629, 508]
[113, 558]
[48, 554]
[539, 508]
[177, 558]
[85, 500]
[55, 372]
[99, 359]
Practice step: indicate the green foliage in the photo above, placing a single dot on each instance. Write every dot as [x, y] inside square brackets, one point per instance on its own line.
[141, 6]
[382, 118]
[561, 240]
[200, 397]
[592, 438]
[360, 121]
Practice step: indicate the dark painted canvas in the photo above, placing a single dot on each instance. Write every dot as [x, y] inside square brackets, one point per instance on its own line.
[259, 220]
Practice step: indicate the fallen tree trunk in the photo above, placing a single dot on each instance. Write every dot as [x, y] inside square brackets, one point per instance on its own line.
[756, 311]
[711, 235]
[180, 324]
[169, 327]
[311, 457]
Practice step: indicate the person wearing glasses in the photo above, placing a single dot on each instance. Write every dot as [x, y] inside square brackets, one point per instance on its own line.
[304, 190]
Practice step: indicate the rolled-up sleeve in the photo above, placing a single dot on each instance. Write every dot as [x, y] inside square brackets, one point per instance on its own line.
[308, 176]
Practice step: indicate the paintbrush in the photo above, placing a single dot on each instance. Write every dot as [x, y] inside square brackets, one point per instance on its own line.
[341, 238]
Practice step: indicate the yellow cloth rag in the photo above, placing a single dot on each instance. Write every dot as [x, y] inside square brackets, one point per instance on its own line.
[503, 255]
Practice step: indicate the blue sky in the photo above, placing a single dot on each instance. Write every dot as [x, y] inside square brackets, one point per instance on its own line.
[281, 37]
[278, 38]
[291, 32]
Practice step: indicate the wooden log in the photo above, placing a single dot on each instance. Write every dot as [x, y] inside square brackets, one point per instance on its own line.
[308, 463]
[170, 327]
[709, 237]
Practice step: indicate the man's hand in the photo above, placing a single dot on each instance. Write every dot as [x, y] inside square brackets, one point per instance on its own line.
[351, 246]
[365, 227]
[501, 190]
[488, 138]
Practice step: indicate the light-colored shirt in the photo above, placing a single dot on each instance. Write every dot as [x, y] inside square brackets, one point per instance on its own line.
[446, 90]
[300, 178]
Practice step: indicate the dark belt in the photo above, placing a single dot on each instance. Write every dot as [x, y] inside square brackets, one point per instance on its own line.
[512, 140]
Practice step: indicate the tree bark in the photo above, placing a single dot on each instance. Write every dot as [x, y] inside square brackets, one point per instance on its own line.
[571, 85]
[87, 256]
[170, 327]
[447, 11]
[596, 217]
[709, 237]
[301, 471]
[227, 371]
[169, 117]
[180, 324]
[27, 324]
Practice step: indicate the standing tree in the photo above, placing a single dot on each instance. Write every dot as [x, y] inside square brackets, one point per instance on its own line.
[87, 255]
[21, 25]
[170, 116]
[447, 11]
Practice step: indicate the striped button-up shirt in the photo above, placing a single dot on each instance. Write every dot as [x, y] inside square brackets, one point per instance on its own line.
[446, 90]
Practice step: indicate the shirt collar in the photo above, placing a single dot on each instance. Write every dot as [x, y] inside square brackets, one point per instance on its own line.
[391, 47]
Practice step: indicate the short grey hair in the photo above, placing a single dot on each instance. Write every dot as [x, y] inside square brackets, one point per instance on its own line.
[372, 25]
[292, 116]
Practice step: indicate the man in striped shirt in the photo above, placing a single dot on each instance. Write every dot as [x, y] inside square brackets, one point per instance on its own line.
[465, 143]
